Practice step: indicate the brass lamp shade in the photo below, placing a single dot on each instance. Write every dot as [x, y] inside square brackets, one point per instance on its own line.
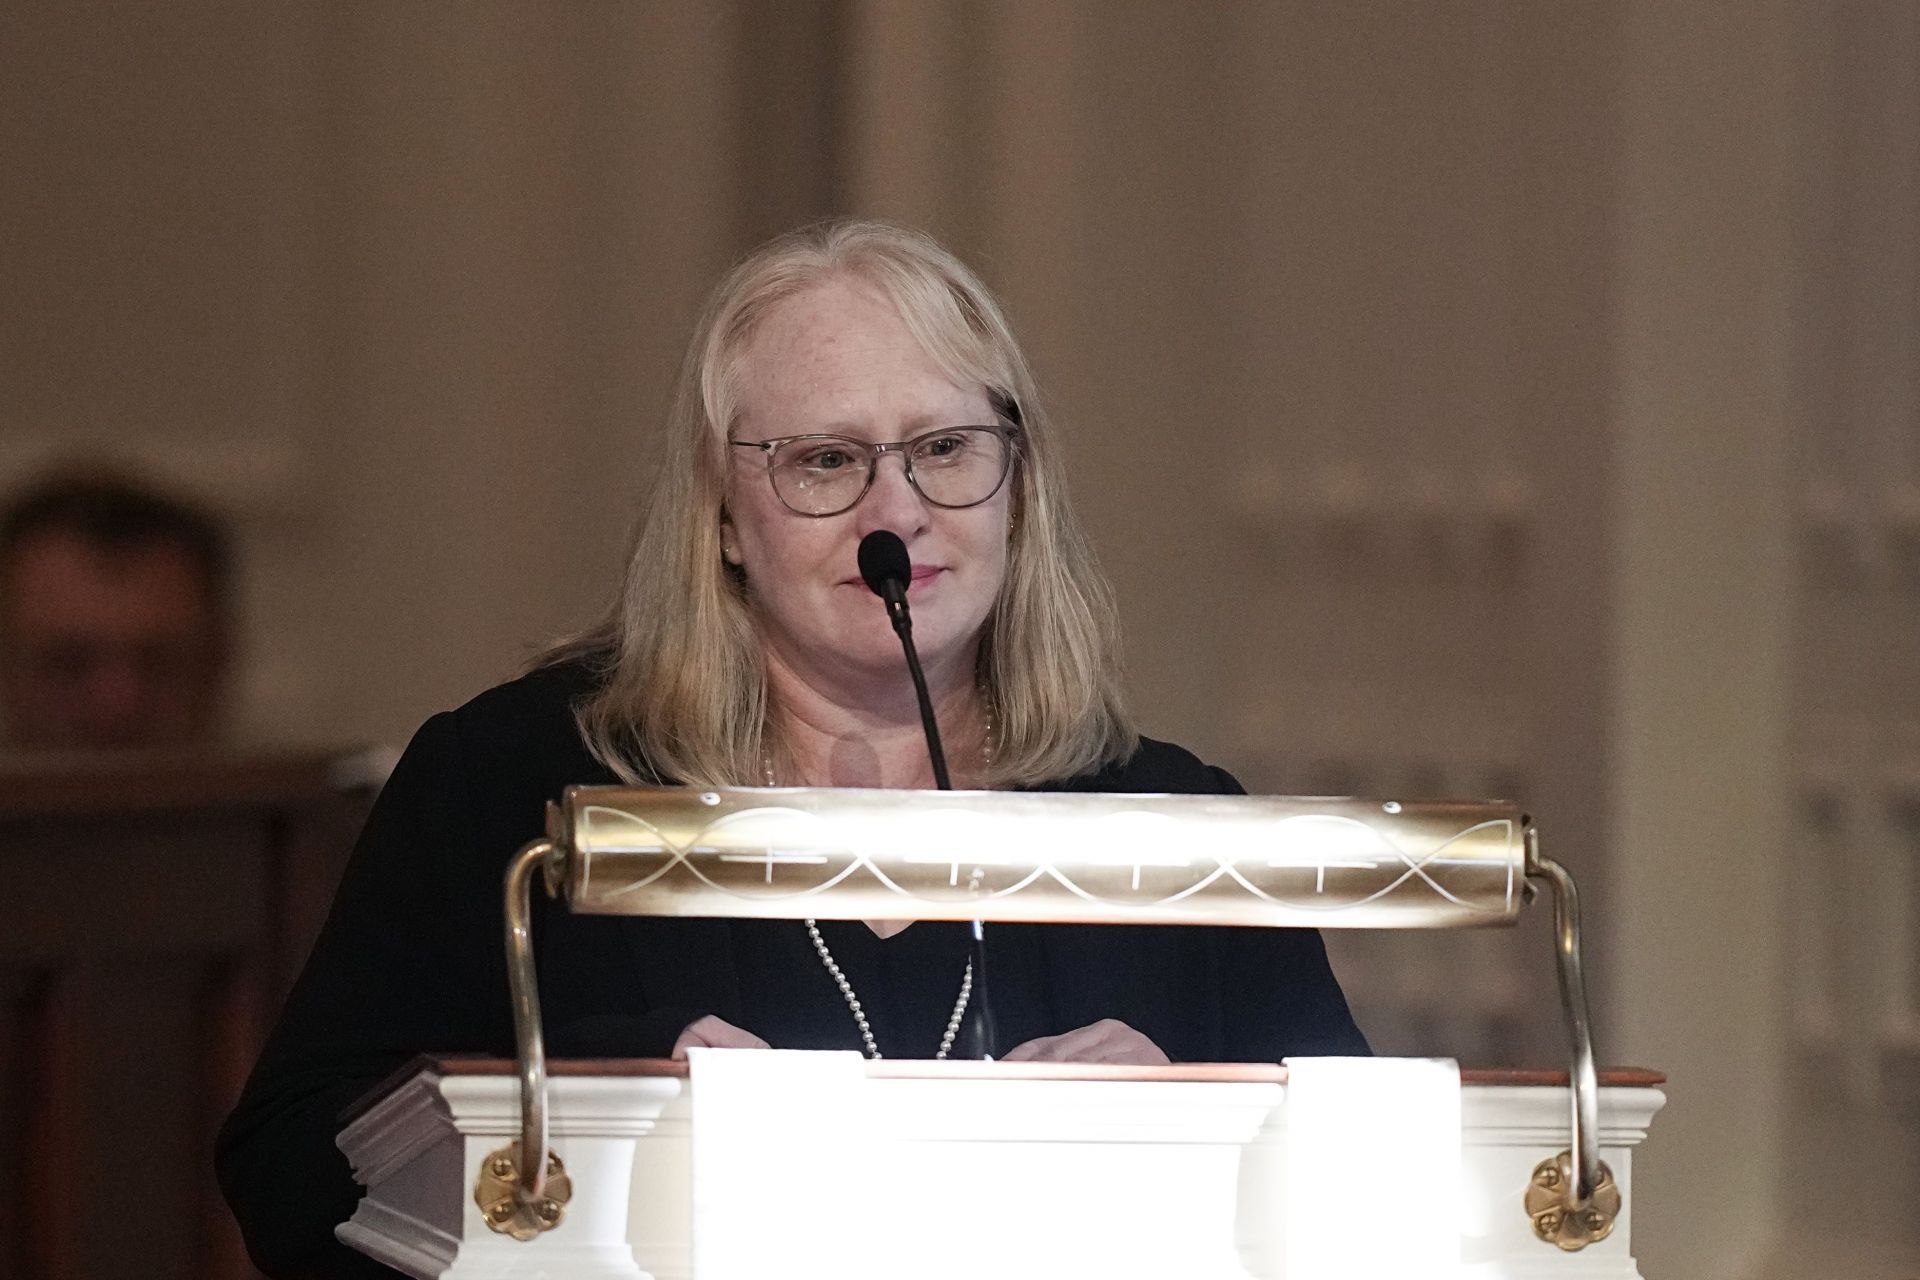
[1055, 857]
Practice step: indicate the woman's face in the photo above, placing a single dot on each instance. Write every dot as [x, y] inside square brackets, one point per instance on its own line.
[837, 358]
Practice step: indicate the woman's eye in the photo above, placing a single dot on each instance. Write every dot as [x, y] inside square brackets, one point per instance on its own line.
[826, 458]
[943, 446]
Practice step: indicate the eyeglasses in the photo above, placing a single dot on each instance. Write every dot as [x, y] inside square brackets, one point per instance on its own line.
[952, 467]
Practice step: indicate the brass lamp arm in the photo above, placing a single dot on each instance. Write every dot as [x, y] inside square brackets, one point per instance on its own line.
[1572, 1200]
[523, 1188]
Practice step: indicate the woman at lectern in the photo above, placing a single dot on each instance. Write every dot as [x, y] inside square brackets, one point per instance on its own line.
[847, 378]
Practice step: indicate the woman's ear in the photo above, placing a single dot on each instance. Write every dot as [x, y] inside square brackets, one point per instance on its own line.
[729, 545]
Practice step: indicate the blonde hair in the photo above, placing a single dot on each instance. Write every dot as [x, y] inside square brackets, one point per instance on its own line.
[683, 694]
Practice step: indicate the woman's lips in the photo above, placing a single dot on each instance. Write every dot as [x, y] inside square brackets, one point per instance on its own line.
[922, 574]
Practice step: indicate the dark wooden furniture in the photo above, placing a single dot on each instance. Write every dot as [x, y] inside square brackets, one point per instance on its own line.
[153, 911]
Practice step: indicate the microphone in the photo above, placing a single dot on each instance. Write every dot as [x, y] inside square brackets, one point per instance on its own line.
[887, 570]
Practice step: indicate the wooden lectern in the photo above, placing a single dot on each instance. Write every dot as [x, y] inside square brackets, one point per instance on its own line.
[746, 1164]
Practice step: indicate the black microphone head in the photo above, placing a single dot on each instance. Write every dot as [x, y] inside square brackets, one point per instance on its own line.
[883, 561]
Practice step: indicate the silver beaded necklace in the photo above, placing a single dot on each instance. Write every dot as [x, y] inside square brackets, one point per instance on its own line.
[840, 978]
[860, 1015]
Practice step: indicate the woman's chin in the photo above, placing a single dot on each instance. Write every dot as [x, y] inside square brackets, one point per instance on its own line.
[884, 658]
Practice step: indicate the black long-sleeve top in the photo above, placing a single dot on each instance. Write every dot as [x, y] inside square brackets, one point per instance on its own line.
[411, 960]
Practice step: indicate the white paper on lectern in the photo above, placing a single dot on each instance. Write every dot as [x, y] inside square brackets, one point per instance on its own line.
[1373, 1150]
[775, 1179]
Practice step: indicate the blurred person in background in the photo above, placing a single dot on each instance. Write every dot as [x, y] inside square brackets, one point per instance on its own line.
[115, 627]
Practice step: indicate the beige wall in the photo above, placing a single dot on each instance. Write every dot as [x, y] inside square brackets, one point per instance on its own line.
[1438, 378]
[1701, 582]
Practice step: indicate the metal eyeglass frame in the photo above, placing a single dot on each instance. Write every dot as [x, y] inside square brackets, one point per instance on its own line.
[1007, 432]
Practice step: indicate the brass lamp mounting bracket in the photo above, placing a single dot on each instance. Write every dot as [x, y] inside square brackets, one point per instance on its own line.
[1561, 1220]
[498, 1193]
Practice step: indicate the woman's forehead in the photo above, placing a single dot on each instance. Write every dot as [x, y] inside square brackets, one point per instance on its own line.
[838, 318]
[842, 349]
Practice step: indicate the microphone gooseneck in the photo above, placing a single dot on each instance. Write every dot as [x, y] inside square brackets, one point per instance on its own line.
[887, 570]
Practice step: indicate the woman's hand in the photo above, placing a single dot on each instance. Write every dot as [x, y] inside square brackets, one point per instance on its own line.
[1108, 1040]
[715, 1033]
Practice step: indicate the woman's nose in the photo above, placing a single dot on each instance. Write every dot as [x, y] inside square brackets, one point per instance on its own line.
[893, 502]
